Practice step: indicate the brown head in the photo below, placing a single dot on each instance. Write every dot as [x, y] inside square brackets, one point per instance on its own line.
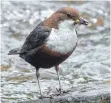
[66, 13]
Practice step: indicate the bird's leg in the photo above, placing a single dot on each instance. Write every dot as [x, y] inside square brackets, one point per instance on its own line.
[57, 71]
[37, 75]
[41, 96]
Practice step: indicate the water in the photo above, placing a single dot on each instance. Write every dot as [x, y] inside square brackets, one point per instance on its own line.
[90, 62]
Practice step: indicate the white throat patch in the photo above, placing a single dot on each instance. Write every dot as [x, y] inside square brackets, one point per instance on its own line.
[64, 39]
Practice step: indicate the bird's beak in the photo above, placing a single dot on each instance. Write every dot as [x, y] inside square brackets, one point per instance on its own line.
[81, 21]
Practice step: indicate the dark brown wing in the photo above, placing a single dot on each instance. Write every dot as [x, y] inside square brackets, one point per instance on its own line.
[36, 38]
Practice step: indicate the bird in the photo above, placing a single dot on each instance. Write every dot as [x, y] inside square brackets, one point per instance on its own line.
[52, 41]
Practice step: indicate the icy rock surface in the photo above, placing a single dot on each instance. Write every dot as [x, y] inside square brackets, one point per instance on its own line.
[89, 63]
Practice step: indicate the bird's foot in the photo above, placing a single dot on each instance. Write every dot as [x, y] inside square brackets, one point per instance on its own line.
[61, 91]
[42, 97]
[66, 91]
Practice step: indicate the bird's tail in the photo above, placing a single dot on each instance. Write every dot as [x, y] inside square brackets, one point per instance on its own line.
[14, 51]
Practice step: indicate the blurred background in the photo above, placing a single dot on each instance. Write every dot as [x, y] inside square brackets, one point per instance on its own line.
[90, 62]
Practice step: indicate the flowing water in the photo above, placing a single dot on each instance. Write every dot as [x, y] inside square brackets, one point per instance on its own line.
[90, 62]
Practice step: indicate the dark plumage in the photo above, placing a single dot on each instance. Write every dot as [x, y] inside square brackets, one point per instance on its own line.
[34, 42]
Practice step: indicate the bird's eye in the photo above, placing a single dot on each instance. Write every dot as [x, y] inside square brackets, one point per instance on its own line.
[69, 16]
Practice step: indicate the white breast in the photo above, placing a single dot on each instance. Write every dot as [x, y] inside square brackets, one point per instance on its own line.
[64, 39]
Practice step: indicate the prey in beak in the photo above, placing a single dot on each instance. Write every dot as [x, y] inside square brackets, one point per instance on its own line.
[81, 21]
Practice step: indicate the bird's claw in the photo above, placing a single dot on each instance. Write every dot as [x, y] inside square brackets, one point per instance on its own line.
[41, 97]
[66, 91]
[59, 90]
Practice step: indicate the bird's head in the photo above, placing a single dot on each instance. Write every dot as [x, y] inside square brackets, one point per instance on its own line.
[68, 14]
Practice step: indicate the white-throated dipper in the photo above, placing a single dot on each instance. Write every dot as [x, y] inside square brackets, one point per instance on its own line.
[52, 41]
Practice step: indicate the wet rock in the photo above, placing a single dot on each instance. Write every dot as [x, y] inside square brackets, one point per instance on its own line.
[95, 94]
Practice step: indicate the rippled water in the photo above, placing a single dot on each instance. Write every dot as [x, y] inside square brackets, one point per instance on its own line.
[90, 62]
